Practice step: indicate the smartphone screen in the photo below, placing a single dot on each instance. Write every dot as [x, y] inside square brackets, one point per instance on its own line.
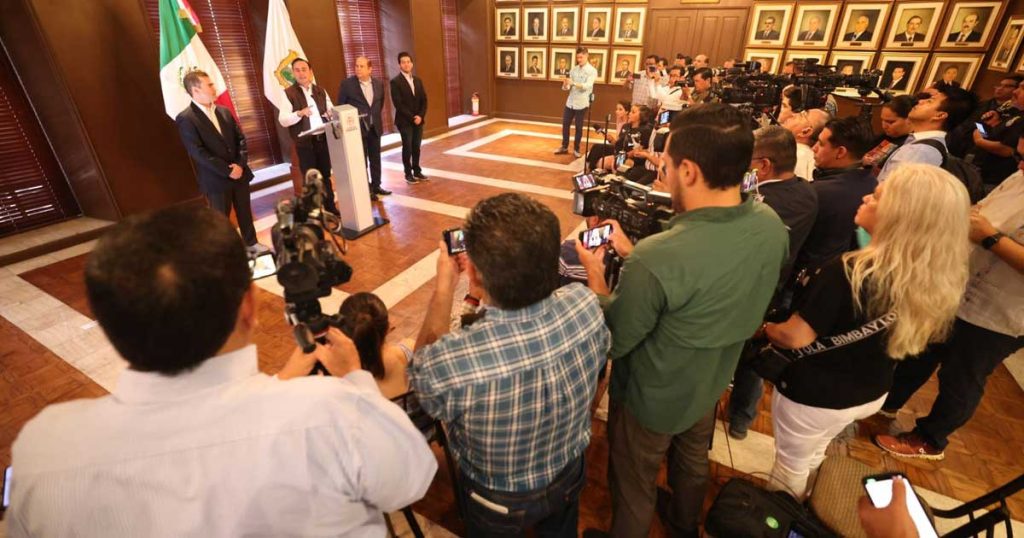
[620, 159]
[595, 237]
[664, 118]
[7, 487]
[584, 182]
[981, 128]
[455, 238]
[879, 490]
[263, 266]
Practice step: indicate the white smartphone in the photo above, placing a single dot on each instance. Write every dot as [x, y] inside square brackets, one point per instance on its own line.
[879, 489]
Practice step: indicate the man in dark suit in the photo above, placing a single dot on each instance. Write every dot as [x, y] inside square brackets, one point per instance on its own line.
[508, 29]
[410, 100]
[367, 95]
[596, 28]
[813, 31]
[562, 70]
[860, 30]
[910, 34]
[624, 69]
[534, 68]
[536, 28]
[216, 145]
[768, 31]
[897, 81]
[564, 30]
[627, 31]
[311, 107]
[967, 33]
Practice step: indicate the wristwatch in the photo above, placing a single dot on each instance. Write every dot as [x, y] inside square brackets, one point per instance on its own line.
[991, 240]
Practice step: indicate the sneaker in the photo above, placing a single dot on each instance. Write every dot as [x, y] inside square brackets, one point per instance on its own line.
[561, 151]
[576, 153]
[887, 413]
[258, 249]
[737, 433]
[420, 176]
[411, 180]
[909, 445]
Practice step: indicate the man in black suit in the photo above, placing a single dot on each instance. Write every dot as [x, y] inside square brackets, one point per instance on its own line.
[534, 68]
[563, 68]
[860, 30]
[216, 145]
[967, 33]
[507, 28]
[367, 95]
[311, 107]
[910, 34]
[536, 28]
[897, 80]
[596, 28]
[813, 31]
[768, 31]
[627, 31]
[410, 100]
[624, 69]
[564, 30]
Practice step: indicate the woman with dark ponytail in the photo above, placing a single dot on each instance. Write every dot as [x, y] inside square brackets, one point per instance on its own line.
[366, 323]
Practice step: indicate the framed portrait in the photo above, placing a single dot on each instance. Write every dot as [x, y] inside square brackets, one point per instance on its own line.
[565, 24]
[851, 63]
[1007, 46]
[506, 24]
[535, 61]
[803, 55]
[596, 24]
[949, 68]
[900, 71]
[629, 25]
[971, 25]
[769, 24]
[507, 61]
[624, 62]
[562, 59]
[913, 25]
[813, 25]
[598, 57]
[769, 59]
[861, 25]
[535, 20]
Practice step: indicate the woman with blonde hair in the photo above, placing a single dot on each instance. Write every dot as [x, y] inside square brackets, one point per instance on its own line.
[866, 309]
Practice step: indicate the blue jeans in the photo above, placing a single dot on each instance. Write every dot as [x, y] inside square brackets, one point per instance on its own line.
[747, 388]
[552, 511]
[568, 115]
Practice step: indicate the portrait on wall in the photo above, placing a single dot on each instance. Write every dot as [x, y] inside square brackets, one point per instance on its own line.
[506, 24]
[624, 62]
[535, 61]
[769, 59]
[629, 25]
[536, 19]
[971, 25]
[953, 68]
[562, 60]
[1006, 48]
[507, 61]
[913, 25]
[851, 63]
[565, 24]
[813, 25]
[596, 24]
[599, 59]
[861, 25]
[769, 24]
[900, 72]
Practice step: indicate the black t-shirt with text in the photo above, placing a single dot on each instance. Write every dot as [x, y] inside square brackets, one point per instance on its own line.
[846, 376]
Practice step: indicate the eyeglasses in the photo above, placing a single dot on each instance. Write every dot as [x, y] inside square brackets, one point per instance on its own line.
[1018, 157]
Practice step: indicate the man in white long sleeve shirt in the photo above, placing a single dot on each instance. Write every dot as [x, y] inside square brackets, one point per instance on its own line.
[194, 440]
[670, 96]
[580, 85]
[311, 107]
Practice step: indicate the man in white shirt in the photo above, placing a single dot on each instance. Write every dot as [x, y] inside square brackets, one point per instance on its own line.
[311, 108]
[930, 119]
[195, 441]
[580, 85]
[806, 126]
[671, 96]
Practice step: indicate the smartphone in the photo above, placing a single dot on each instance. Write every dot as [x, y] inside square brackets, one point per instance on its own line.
[263, 266]
[595, 237]
[7, 489]
[981, 128]
[665, 117]
[879, 490]
[584, 182]
[455, 238]
[620, 159]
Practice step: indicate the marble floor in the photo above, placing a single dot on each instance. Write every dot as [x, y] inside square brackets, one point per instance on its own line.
[51, 349]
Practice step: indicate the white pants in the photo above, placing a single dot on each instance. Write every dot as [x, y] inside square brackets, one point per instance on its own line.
[802, 433]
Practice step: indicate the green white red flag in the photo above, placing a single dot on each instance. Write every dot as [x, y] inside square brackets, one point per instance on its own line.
[181, 51]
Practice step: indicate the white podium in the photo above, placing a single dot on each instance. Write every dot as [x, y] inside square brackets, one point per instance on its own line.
[348, 163]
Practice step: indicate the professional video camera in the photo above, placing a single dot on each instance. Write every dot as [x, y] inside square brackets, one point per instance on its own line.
[640, 210]
[308, 263]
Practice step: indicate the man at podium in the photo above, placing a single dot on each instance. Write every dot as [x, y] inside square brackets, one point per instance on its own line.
[311, 108]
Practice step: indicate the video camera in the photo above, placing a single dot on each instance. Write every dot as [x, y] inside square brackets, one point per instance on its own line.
[308, 263]
[640, 210]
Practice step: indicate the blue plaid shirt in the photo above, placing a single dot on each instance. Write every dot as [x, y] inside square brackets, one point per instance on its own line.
[515, 388]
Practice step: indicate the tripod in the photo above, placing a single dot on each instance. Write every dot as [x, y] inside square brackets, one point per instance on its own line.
[590, 114]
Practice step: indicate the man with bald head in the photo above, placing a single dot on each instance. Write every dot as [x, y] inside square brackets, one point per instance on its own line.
[805, 127]
[367, 95]
[860, 30]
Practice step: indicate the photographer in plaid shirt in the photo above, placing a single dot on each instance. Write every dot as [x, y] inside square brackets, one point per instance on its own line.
[515, 387]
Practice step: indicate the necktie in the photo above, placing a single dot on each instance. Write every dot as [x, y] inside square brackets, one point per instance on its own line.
[963, 37]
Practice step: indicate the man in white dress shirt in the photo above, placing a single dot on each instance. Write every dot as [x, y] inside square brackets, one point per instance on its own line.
[194, 440]
[311, 108]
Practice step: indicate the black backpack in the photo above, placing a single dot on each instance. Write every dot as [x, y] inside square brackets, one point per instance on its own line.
[744, 510]
[966, 172]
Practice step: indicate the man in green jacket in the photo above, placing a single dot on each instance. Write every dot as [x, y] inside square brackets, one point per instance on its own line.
[686, 301]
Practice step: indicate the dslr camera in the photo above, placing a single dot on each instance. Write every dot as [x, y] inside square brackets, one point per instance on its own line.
[640, 210]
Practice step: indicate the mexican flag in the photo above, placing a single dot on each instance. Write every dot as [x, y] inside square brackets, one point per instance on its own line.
[180, 52]
[280, 49]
